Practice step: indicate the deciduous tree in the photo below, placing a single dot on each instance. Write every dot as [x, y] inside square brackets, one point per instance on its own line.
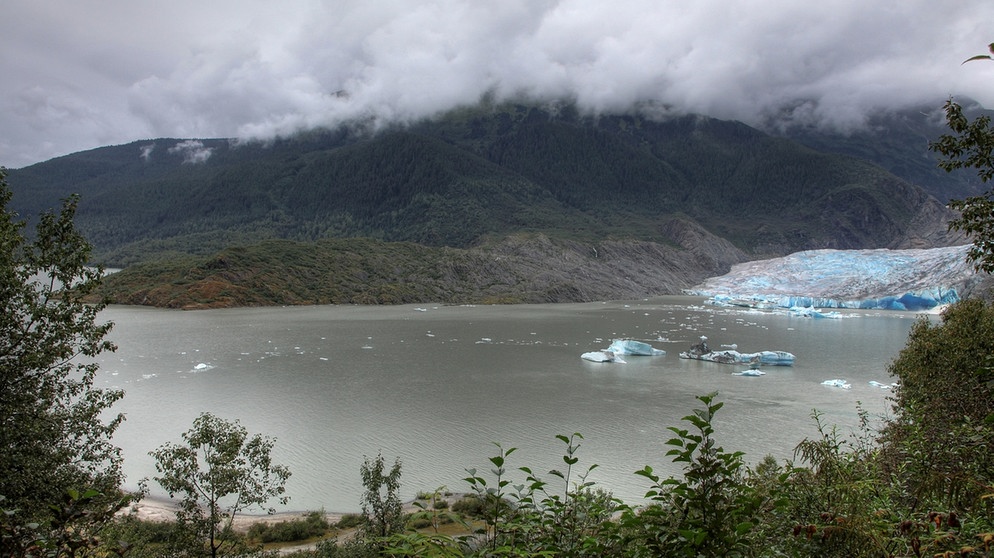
[971, 145]
[55, 429]
[219, 471]
[381, 504]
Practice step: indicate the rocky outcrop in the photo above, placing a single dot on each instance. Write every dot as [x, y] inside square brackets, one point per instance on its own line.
[929, 228]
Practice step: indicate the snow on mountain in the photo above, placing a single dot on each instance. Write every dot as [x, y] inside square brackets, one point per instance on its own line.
[891, 279]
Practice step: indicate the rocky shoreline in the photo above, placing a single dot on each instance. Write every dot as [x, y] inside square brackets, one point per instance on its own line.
[163, 509]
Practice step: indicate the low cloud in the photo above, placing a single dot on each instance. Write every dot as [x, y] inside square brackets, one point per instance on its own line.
[255, 69]
[192, 151]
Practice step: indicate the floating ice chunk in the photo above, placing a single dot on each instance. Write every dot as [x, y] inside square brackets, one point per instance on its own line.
[750, 372]
[602, 356]
[203, 366]
[880, 385]
[730, 356]
[632, 347]
[811, 312]
[837, 383]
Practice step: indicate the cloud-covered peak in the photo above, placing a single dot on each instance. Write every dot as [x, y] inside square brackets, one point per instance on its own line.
[92, 73]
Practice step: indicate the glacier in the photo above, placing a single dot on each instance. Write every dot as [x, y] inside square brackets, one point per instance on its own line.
[913, 280]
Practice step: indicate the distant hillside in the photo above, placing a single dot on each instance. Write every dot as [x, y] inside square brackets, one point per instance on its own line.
[507, 203]
[898, 142]
[524, 268]
[477, 174]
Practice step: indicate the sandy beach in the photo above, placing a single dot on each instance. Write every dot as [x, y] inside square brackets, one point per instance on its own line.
[164, 509]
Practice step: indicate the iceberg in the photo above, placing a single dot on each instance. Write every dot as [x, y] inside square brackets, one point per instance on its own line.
[632, 347]
[812, 312]
[912, 280]
[837, 383]
[701, 351]
[769, 358]
[750, 372]
[620, 347]
[602, 356]
[880, 385]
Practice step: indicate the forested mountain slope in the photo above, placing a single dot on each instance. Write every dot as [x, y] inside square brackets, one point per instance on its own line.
[474, 177]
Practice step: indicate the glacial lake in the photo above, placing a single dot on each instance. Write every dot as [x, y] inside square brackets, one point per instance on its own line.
[436, 386]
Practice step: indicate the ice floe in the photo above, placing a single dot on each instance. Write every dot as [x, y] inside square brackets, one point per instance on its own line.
[839, 383]
[622, 347]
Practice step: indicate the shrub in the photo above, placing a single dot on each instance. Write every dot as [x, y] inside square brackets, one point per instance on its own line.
[711, 510]
[944, 408]
[350, 520]
[470, 506]
[313, 524]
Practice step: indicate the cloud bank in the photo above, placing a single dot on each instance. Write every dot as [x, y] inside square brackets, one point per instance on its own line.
[82, 74]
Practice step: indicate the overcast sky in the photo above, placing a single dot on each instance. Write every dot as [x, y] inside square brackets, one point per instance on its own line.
[78, 74]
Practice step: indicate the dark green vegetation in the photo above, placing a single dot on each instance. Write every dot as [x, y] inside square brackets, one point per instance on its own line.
[486, 171]
[548, 181]
[520, 269]
[313, 525]
[899, 143]
[971, 145]
[59, 471]
[218, 472]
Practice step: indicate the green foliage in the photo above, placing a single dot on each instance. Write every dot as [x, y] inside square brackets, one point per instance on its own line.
[494, 497]
[312, 525]
[971, 145]
[944, 407]
[381, 506]
[836, 503]
[536, 519]
[71, 529]
[470, 505]
[350, 520]
[478, 173]
[55, 426]
[711, 510]
[142, 538]
[432, 511]
[219, 471]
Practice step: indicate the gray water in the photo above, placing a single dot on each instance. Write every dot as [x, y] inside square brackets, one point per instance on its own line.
[436, 386]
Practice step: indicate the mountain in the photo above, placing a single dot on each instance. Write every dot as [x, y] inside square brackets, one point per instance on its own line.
[521, 268]
[897, 141]
[477, 178]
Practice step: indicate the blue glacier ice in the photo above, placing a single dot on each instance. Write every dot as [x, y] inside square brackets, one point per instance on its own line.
[914, 280]
[632, 347]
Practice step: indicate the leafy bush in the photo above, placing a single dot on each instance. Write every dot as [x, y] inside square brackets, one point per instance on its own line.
[350, 520]
[944, 408]
[711, 510]
[470, 506]
[312, 525]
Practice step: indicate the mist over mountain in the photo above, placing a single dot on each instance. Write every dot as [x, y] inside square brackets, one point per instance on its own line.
[476, 176]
